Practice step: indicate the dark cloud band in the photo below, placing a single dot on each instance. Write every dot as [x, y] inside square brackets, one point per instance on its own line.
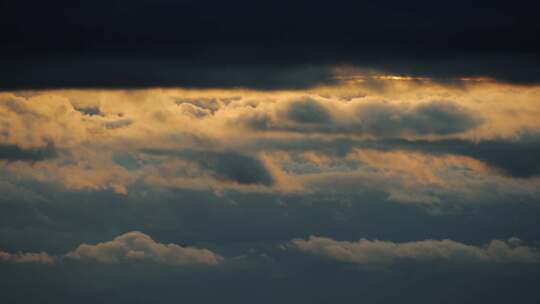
[14, 153]
[242, 43]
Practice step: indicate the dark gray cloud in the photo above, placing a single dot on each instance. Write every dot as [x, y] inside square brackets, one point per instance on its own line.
[11, 152]
[125, 73]
[379, 119]
[90, 111]
[436, 117]
[229, 165]
[308, 111]
[518, 157]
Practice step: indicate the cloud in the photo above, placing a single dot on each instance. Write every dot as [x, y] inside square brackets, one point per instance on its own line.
[116, 124]
[375, 118]
[229, 165]
[27, 257]
[435, 117]
[40, 120]
[518, 157]
[206, 103]
[137, 246]
[14, 152]
[307, 110]
[118, 74]
[90, 111]
[366, 252]
[129, 247]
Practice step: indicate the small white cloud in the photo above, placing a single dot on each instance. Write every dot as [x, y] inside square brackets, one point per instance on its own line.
[366, 252]
[137, 246]
[27, 257]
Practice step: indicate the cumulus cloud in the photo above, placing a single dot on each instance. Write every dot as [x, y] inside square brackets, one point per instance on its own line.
[366, 252]
[137, 246]
[39, 121]
[27, 257]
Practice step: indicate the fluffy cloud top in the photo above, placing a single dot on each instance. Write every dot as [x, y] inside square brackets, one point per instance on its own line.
[366, 252]
[137, 246]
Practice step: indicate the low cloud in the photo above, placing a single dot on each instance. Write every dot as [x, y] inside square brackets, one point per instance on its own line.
[129, 247]
[137, 246]
[366, 252]
[27, 257]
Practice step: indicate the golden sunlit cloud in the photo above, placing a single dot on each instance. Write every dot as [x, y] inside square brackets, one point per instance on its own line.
[270, 141]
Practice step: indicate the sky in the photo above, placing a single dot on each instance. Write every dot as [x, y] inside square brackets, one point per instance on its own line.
[269, 152]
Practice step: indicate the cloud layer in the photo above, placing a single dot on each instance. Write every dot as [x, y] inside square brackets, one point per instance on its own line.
[366, 252]
[132, 246]
[27, 257]
[375, 118]
[447, 145]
